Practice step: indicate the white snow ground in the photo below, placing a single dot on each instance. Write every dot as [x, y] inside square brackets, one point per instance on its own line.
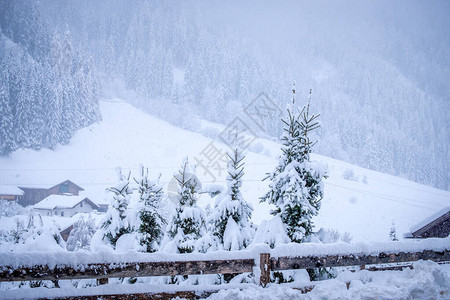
[364, 205]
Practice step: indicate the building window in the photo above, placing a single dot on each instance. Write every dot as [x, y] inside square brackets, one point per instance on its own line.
[81, 204]
[64, 188]
[62, 214]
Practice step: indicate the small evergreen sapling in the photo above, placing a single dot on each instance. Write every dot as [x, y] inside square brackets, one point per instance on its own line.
[115, 223]
[150, 220]
[393, 232]
[231, 215]
[188, 222]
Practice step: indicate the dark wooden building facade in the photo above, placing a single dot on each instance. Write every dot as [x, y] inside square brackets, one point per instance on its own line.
[33, 195]
[439, 227]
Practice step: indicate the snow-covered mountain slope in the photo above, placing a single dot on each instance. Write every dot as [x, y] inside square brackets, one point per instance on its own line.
[365, 204]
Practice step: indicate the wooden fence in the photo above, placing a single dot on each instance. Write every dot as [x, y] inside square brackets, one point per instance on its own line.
[266, 263]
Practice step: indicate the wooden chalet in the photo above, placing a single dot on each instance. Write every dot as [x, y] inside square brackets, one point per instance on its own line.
[10, 193]
[33, 195]
[437, 225]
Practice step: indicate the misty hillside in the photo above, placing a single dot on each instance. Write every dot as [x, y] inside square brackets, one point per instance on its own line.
[48, 89]
[224, 149]
[362, 202]
[378, 70]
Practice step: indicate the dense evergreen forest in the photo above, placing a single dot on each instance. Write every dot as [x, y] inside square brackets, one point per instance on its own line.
[48, 89]
[379, 76]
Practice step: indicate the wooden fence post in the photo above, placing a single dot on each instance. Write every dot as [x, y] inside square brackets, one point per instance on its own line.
[264, 264]
[102, 281]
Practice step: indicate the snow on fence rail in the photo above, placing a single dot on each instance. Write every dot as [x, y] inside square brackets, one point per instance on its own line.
[260, 260]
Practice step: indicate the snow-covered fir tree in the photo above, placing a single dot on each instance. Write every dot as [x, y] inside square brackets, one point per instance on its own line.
[187, 224]
[230, 218]
[115, 223]
[150, 225]
[7, 140]
[393, 232]
[296, 187]
[81, 234]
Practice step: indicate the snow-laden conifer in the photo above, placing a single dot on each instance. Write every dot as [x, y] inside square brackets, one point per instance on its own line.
[393, 232]
[231, 215]
[187, 224]
[115, 223]
[296, 186]
[150, 223]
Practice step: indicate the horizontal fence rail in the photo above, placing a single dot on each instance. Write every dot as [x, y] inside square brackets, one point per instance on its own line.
[261, 261]
[310, 262]
[139, 269]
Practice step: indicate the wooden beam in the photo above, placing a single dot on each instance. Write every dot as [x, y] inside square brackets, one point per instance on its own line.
[265, 266]
[102, 281]
[141, 269]
[290, 263]
[149, 296]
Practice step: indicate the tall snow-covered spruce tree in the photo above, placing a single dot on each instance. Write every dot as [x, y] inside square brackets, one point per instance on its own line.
[188, 224]
[296, 186]
[115, 223]
[231, 215]
[150, 220]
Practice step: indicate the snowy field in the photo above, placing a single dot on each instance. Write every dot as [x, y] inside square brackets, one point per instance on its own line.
[358, 201]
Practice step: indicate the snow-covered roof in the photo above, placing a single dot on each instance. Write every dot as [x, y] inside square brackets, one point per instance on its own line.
[429, 219]
[49, 186]
[67, 182]
[60, 201]
[10, 190]
[36, 186]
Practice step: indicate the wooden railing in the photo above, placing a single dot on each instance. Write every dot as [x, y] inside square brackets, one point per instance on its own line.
[139, 269]
[311, 262]
[257, 262]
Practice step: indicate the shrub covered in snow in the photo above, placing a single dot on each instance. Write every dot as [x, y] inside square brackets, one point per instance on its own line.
[10, 208]
[349, 175]
[42, 238]
[272, 232]
[16, 235]
[81, 234]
